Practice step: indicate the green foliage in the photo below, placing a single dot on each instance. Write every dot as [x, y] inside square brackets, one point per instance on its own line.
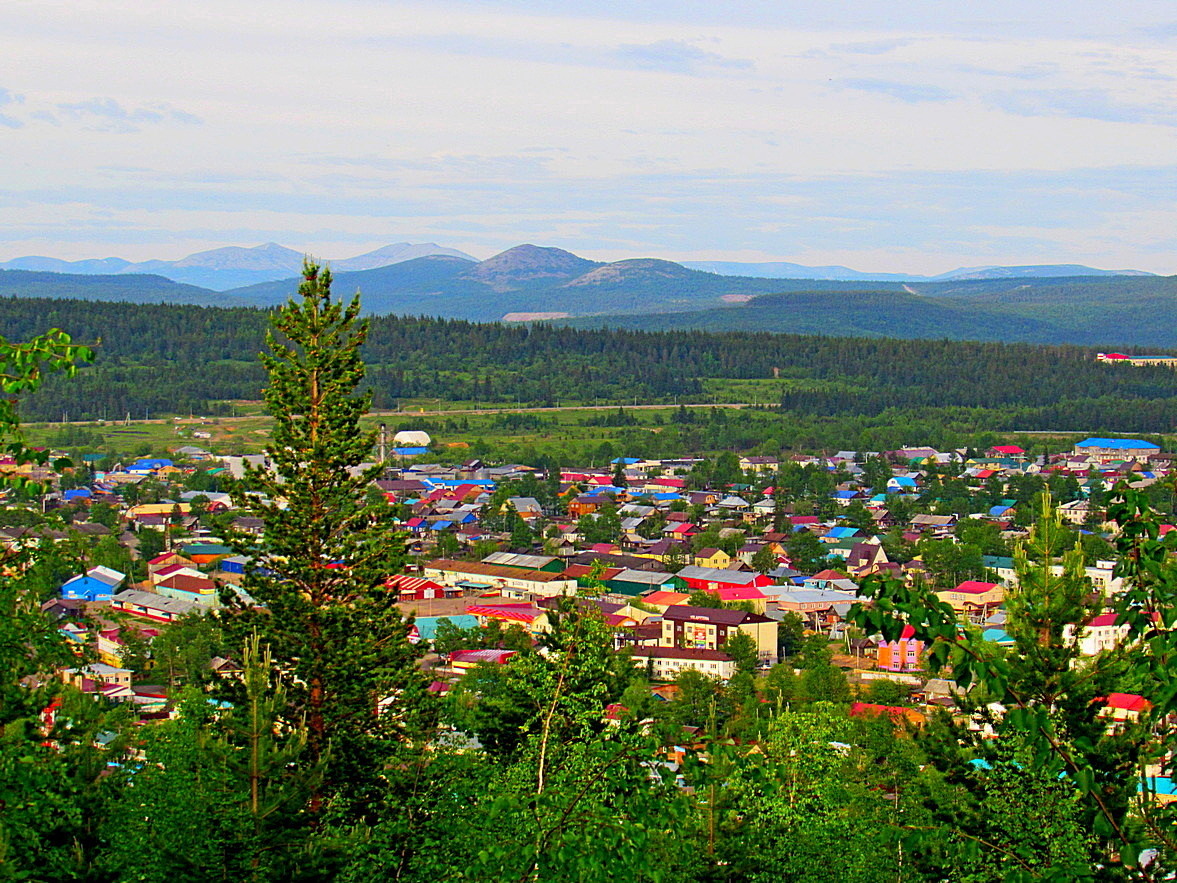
[704, 598]
[806, 552]
[332, 627]
[1050, 728]
[871, 394]
[741, 647]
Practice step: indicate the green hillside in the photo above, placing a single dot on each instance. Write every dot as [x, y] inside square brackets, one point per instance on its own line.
[175, 359]
[130, 288]
[1115, 312]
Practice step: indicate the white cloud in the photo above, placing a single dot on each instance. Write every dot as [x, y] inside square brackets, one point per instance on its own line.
[481, 124]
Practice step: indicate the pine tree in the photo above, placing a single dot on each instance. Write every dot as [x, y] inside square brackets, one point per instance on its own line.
[335, 634]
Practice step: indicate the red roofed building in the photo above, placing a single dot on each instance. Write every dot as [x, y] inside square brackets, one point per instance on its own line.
[973, 597]
[751, 594]
[1123, 708]
[467, 659]
[533, 619]
[414, 588]
[1006, 451]
[902, 654]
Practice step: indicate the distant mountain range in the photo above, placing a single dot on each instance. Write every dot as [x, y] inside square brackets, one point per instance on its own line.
[1047, 304]
[785, 270]
[232, 267]
[223, 269]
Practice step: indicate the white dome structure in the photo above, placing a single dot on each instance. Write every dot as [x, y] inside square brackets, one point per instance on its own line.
[411, 438]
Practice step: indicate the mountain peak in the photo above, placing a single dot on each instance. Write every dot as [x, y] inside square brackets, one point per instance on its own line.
[395, 254]
[270, 256]
[632, 270]
[527, 263]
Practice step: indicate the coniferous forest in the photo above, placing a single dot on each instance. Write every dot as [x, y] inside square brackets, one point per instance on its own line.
[162, 359]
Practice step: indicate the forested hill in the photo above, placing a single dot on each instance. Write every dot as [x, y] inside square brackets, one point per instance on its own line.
[529, 282]
[173, 359]
[1104, 313]
[143, 288]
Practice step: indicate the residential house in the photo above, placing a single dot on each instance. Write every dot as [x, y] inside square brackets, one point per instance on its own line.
[709, 628]
[1104, 632]
[148, 605]
[865, 559]
[714, 558]
[902, 654]
[666, 663]
[973, 598]
[938, 526]
[822, 610]
[1108, 450]
[197, 589]
[96, 584]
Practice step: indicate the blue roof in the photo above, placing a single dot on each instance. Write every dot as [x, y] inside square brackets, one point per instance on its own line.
[427, 625]
[843, 495]
[1116, 444]
[669, 495]
[625, 461]
[840, 532]
[997, 636]
[150, 464]
[1160, 785]
[410, 452]
[902, 481]
[999, 510]
[77, 493]
[441, 525]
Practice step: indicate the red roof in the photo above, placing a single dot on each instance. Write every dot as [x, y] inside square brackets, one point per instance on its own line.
[829, 574]
[526, 614]
[1008, 449]
[404, 583]
[171, 569]
[1126, 701]
[740, 593]
[975, 587]
[1114, 356]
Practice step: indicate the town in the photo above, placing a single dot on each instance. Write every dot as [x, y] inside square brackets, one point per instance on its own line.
[704, 566]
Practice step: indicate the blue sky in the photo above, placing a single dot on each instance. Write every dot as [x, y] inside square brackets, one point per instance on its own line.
[886, 136]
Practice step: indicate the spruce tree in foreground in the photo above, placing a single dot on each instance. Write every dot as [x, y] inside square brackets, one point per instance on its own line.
[332, 628]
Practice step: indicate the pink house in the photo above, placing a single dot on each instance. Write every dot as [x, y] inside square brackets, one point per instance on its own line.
[902, 654]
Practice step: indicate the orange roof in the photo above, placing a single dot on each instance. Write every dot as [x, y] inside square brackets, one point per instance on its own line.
[665, 599]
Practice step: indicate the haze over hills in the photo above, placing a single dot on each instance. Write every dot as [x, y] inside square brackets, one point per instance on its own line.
[220, 269]
[531, 282]
[786, 270]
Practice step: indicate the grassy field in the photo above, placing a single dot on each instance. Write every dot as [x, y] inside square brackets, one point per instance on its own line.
[586, 435]
[456, 430]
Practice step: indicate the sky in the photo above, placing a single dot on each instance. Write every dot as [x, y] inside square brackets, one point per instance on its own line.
[883, 135]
